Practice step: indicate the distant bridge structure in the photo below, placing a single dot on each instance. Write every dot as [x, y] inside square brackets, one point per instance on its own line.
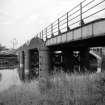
[70, 41]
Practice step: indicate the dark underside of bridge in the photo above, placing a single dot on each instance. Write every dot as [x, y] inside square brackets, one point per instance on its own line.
[83, 59]
[76, 45]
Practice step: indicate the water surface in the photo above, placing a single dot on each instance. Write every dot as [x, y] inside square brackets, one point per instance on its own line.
[8, 78]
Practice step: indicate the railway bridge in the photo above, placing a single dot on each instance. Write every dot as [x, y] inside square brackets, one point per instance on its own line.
[74, 42]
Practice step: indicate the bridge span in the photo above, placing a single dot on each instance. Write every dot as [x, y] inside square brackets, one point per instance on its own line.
[90, 34]
[74, 42]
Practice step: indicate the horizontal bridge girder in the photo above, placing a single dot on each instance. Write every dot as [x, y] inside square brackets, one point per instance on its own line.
[88, 31]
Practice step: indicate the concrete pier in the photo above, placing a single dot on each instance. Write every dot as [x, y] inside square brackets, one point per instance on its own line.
[68, 60]
[27, 61]
[21, 68]
[44, 62]
[84, 59]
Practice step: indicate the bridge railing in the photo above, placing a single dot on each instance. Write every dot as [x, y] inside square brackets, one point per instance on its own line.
[78, 16]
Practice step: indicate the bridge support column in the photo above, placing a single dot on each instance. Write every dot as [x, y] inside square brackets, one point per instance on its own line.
[84, 59]
[44, 62]
[20, 60]
[21, 69]
[26, 62]
[68, 60]
[50, 57]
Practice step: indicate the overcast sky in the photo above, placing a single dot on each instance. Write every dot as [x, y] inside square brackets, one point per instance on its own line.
[23, 19]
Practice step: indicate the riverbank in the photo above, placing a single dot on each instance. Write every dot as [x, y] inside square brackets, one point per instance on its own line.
[25, 94]
[59, 89]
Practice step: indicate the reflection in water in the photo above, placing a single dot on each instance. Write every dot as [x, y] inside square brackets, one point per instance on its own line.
[8, 78]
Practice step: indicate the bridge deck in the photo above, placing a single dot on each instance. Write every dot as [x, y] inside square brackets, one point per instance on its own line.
[90, 30]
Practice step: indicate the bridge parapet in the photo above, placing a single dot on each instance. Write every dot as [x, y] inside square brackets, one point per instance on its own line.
[90, 30]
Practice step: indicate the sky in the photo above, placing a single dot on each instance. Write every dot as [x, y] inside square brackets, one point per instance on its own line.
[21, 20]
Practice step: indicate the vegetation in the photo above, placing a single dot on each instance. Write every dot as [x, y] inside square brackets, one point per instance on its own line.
[2, 47]
[59, 89]
[74, 89]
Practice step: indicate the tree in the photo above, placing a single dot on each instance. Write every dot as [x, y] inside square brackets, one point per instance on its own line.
[2, 47]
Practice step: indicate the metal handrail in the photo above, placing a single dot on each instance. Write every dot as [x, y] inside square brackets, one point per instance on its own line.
[94, 13]
[93, 7]
[74, 12]
[74, 17]
[64, 27]
[74, 23]
[63, 19]
[76, 6]
[67, 20]
[88, 3]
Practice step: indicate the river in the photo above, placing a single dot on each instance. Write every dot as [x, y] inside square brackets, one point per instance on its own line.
[8, 78]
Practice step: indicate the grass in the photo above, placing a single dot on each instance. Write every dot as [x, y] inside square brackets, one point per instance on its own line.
[59, 89]
[73, 89]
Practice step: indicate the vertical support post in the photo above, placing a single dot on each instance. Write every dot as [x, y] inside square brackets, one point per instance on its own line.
[84, 59]
[52, 30]
[46, 33]
[68, 60]
[42, 34]
[21, 66]
[27, 61]
[58, 26]
[68, 29]
[81, 20]
[23, 53]
[44, 62]
[21, 59]
[21, 72]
